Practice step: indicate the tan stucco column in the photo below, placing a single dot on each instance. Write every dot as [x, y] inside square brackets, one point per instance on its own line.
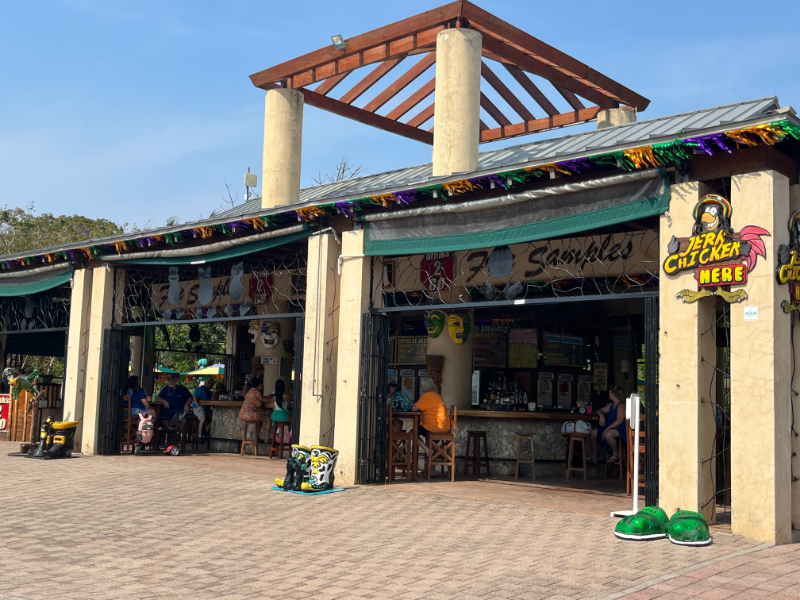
[99, 320]
[319, 345]
[283, 142]
[355, 302]
[456, 122]
[77, 345]
[687, 351]
[794, 204]
[457, 371]
[761, 372]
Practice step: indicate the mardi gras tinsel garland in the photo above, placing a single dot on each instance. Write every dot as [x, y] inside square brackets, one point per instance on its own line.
[644, 157]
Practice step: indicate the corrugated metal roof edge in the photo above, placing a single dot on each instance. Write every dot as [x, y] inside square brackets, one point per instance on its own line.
[782, 114]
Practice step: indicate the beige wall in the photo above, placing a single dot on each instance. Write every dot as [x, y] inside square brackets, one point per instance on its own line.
[272, 372]
[320, 348]
[686, 418]
[457, 372]
[99, 320]
[761, 371]
[355, 302]
[794, 204]
[77, 346]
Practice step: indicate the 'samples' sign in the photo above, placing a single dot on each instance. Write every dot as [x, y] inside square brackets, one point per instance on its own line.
[720, 257]
[5, 412]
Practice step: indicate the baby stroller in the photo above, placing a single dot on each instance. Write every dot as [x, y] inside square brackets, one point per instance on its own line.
[170, 444]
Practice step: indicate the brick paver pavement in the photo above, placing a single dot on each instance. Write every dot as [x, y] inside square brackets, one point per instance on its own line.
[157, 527]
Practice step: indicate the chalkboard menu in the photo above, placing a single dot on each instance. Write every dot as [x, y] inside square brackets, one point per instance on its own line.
[411, 350]
[523, 349]
[490, 349]
[562, 350]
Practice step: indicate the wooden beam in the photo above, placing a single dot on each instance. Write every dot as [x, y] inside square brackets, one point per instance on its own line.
[358, 114]
[421, 117]
[571, 98]
[531, 88]
[499, 28]
[374, 76]
[401, 83]
[509, 131]
[330, 83]
[373, 40]
[493, 111]
[505, 93]
[537, 67]
[414, 99]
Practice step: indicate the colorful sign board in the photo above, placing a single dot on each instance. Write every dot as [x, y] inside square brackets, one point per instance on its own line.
[788, 270]
[5, 412]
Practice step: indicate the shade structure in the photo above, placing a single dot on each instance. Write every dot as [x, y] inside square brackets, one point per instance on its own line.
[39, 282]
[218, 369]
[159, 369]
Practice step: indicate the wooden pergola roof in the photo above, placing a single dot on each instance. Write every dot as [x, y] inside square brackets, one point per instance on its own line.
[509, 48]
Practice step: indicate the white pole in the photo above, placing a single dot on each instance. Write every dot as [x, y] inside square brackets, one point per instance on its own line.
[632, 412]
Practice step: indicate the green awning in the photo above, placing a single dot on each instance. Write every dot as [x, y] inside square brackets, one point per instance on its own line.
[227, 253]
[493, 227]
[24, 286]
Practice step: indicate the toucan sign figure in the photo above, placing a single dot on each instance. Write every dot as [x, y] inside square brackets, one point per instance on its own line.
[721, 257]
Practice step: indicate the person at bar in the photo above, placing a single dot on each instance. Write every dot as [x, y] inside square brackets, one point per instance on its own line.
[255, 407]
[203, 392]
[176, 396]
[612, 426]
[399, 403]
[435, 418]
[139, 403]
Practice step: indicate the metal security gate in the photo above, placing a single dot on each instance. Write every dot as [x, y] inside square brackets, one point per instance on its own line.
[651, 401]
[116, 355]
[372, 412]
[297, 392]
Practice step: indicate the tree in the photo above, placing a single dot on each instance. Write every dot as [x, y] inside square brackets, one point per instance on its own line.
[343, 171]
[213, 338]
[22, 229]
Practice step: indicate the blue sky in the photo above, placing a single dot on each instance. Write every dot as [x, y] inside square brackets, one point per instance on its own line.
[136, 111]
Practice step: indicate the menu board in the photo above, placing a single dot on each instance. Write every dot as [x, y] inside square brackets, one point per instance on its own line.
[523, 349]
[411, 350]
[490, 349]
[562, 350]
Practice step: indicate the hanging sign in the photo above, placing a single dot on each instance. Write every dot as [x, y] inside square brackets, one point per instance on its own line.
[5, 412]
[788, 269]
[719, 256]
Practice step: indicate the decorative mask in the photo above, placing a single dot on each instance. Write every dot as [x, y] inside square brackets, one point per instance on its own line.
[270, 334]
[434, 322]
[500, 262]
[254, 330]
[459, 326]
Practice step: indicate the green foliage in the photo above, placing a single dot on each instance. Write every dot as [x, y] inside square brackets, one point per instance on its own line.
[22, 229]
[213, 338]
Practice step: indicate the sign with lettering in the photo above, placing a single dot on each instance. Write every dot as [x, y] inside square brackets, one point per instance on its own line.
[720, 257]
[562, 350]
[788, 269]
[412, 350]
[523, 349]
[5, 412]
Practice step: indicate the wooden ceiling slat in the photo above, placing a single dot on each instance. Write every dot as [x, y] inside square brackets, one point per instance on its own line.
[400, 84]
[493, 111]
[479, 17]
[561, 120]
[422, 116]
[381, 36]
[375, 75]
[571, 98]
[505, 93]
[532, 65]
[330, 83]
[358, 114]
[414, 99]
[531, 88]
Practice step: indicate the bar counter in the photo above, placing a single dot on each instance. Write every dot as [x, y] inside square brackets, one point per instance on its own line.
[500, 426]
[226, 428]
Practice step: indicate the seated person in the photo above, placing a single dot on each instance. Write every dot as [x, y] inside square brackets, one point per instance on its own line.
[399, 403]
[435, 417]
[219, 389]
[255, 407]
[202, 392]
[283, 408]
[175, 396]
[612, 426]
[139, 405]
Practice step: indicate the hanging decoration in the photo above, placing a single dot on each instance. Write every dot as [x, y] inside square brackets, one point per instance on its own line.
[721, 257]
[788, 269]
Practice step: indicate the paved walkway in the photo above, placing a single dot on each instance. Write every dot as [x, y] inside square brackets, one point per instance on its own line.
[210, 527]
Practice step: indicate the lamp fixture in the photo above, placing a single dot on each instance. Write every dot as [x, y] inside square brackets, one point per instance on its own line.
[338, 41]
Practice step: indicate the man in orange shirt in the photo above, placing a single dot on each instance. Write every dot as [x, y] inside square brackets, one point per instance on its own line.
[435, 418]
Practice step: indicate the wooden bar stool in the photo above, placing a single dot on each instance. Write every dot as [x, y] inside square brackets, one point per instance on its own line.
[442, 447]
[573, 439]
[401, 451]
[525, 461]
[254, 442]
[283, 429]
[620, 463]
[473, 458]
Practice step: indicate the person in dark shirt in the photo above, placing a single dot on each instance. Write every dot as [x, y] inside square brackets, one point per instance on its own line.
[176, 396]
[140, 404]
